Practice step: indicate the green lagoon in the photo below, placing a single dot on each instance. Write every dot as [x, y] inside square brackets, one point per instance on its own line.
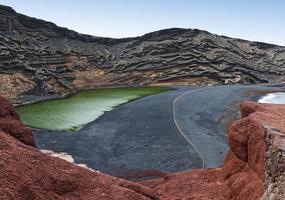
[77, 110]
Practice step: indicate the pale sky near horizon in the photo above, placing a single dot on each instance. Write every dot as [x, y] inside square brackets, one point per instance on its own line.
[258, 20]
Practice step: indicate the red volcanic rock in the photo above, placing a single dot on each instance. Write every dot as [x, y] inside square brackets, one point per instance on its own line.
[28, 174]
[203, 184]
[10, 123]
[242, 176]
[249, 107]
[238, 135]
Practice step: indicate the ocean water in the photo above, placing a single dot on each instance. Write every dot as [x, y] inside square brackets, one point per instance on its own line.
[275, 98]
[73, 112]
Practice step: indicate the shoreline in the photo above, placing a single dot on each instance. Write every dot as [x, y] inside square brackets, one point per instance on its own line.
[118, 124]
[17, 102]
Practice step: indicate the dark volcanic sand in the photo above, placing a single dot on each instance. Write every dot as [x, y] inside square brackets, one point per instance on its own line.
[141, 135]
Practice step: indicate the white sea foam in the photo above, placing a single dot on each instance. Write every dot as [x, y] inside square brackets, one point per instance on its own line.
[275, 98]
[66, 157]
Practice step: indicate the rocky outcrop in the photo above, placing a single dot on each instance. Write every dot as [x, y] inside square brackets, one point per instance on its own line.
[10, 124]
[54, 60]
[14, 84]
[274, 164]
[242, 176]
[28, 174]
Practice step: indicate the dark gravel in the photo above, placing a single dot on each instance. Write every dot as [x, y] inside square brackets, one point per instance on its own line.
[141, 135]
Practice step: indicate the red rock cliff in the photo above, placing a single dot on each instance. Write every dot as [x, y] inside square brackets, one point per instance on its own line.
[10, 123]
[242, 176]
[26, 173]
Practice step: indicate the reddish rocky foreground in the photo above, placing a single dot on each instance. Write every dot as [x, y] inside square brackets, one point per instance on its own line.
[255, 142]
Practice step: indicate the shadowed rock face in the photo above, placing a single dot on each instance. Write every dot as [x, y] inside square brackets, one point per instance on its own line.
[10, 123]
[53, 60]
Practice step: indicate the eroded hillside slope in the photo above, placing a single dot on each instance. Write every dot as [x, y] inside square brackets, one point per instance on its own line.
[38, 57]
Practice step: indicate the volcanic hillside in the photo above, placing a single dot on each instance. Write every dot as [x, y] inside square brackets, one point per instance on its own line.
[38, 57]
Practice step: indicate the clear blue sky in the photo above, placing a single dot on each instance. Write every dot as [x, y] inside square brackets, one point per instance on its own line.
[259, 20]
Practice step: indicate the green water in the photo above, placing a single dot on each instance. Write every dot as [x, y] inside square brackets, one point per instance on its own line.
[73, 112]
